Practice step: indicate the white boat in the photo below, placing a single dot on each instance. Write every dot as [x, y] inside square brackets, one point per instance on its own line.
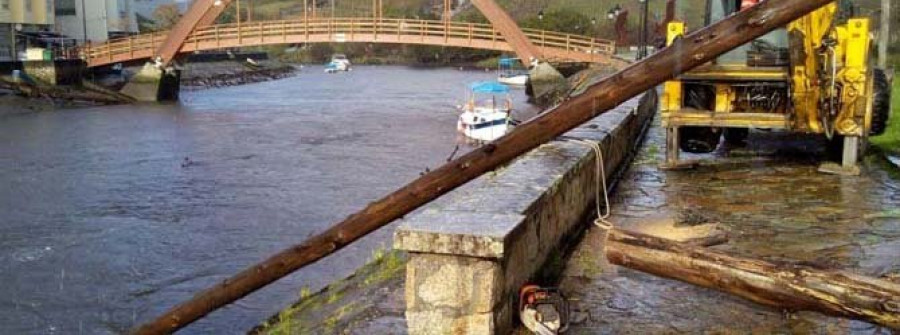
[486, 115]
[513, 79]
[338, 63]
[510, 74]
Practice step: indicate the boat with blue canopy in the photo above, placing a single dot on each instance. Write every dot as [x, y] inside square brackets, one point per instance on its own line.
[486, 114]
[511, 72]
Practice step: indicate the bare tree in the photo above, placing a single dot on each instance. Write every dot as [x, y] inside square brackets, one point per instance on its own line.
[166, 16]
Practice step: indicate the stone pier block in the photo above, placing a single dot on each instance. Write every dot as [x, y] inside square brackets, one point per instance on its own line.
[152, 84]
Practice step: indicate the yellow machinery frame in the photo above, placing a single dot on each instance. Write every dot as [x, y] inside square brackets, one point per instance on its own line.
[814, 39]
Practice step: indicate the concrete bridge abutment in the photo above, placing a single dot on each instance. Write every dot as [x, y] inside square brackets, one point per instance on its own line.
[154, 84]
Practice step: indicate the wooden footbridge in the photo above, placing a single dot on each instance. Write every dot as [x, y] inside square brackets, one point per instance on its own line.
[552, 46]
[195, 32]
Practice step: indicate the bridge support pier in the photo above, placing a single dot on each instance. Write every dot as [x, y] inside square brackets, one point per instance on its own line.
[546, 82]
[153, 84]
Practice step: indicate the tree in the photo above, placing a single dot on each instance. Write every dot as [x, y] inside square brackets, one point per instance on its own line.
[562, 20]
[166, 16]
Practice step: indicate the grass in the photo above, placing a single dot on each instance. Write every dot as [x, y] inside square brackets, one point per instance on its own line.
[323, 311]
[890, 140]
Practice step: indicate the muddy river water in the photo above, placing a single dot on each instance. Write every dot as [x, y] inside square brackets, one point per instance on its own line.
[110, 215]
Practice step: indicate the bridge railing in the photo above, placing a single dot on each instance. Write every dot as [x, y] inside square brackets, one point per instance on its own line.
[342, 30]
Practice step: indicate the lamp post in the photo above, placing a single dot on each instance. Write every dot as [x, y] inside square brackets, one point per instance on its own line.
[84, 22]
[645, 12]
[620, 17]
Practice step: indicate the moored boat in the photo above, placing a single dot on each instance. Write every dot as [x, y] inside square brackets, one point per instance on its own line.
[486, 114]
[509, 73]
[338, 63]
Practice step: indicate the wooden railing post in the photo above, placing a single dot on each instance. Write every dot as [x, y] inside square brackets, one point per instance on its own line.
[216, 31]
[262, 36]
[131, 46]
[284, 30]
[237, 11]
[85, 51]
[471, 32]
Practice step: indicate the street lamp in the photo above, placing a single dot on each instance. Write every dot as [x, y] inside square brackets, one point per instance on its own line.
[645, 11]
[541, 14]
[614, 12]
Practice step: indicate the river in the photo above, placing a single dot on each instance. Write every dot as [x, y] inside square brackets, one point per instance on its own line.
[113, 214]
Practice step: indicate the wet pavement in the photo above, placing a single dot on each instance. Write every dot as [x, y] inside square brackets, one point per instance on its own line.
[775, 205]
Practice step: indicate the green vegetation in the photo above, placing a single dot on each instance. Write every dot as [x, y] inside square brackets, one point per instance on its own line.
[391, 263]
[890, 140]
[341, 301]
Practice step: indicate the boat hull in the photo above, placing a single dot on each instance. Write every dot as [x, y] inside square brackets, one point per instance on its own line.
[520, 80]
[487, 134]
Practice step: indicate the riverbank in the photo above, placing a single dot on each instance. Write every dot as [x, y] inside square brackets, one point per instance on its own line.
[203, 75]
[12, 103]
[28, 95]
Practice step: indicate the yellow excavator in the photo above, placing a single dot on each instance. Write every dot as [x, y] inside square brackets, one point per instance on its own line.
[813, 76]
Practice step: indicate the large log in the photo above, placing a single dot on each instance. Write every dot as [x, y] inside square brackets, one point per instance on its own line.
[683, 55]
[785, 286]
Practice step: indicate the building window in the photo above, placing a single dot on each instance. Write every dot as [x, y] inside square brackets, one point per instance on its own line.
[65, 7]
[4, 4]
[28, 6]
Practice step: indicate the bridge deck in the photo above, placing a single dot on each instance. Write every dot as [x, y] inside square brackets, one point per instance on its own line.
[559, 47]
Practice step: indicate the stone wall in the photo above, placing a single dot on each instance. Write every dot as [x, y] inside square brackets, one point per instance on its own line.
[471, 250]
[59, 72]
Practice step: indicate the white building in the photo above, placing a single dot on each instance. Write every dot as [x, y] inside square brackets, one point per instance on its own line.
[18, 17]
[95, 20]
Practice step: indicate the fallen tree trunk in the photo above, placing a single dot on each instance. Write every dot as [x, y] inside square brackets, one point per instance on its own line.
[785, 286]
[684, 54]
